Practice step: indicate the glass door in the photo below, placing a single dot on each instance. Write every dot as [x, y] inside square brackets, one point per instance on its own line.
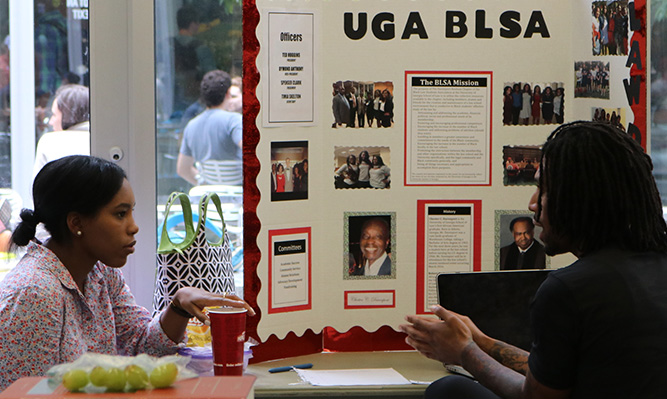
[658, 62]
[198, 64]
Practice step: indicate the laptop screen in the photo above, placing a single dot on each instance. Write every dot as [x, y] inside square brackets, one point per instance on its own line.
[497, 302]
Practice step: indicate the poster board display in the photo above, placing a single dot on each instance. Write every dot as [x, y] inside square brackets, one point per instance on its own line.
[358, 201]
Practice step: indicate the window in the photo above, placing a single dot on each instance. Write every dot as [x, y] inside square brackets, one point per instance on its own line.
[658, 62]
[52, 35]
[193, 39]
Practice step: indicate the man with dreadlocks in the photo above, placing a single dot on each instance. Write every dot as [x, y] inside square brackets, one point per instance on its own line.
[599, 324]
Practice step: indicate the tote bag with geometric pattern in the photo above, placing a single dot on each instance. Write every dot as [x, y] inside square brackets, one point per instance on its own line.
[194, 262]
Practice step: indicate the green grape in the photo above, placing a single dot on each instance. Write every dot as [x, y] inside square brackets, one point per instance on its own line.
[75, 380]
[164, 375]
[115, 381]
[98, 376]
[136, 376]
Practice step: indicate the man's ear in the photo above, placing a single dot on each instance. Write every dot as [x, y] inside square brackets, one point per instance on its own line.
[74, 222]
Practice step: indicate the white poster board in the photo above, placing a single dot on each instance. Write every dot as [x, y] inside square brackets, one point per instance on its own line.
[452, 157]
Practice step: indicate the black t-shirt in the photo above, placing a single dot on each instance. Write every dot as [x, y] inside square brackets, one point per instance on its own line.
[600, 327]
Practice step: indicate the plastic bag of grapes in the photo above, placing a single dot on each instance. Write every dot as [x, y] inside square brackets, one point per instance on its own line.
[97, 373]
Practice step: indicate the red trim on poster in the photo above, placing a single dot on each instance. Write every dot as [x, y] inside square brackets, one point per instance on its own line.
[356, 339]
[286, 232]
[251, 196]
[405, 127]
[392, 305]
[639, 37]
[290, 346]
[421, 247]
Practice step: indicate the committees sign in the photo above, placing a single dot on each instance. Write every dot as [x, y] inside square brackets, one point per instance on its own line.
[290, 287]
[448, 138]
[290, 69]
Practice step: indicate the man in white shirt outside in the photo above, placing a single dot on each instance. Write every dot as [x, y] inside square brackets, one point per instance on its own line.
[215, 134]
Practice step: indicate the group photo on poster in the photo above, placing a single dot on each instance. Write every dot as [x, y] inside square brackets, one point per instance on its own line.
[615, 116]
[520, 163]
[370, 243]
[527, 103]
[592, 79]
[362, 167]
[362, 104]
[610, 27]
[289, 170]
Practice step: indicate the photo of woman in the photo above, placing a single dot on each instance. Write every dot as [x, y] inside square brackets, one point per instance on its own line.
[558, 105]
[548, 105]
[507, 106]
[347, 175]
[377, 99]
[364, 169]
[280, 178]
[379, 173]
[387, 108]
[526, 106]
[537, 105]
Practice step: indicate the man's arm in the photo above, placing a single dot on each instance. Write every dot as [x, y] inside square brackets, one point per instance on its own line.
[503, 381]
[449, 340]
[504, 353]
[509, 356]
[185, 168]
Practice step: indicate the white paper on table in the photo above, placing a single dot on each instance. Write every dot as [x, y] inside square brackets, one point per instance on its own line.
[353, 377]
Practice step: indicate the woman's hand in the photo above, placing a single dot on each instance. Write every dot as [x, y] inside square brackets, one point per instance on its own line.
[194, 300]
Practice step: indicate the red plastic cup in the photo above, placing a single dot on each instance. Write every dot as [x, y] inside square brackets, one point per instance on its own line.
[227, 338]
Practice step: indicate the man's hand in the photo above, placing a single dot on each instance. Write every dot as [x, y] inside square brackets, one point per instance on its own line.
[482, 340]
[443, 340]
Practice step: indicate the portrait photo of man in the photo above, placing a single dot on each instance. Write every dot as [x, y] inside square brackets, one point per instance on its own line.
[370, 246]
[525, 252]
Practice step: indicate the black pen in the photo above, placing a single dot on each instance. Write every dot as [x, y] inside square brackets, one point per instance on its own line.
[288, 368]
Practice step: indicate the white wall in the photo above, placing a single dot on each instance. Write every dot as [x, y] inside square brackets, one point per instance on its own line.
[122, 115]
